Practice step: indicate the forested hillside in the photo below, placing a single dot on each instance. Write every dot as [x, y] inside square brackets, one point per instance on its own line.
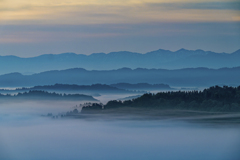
[217, 99]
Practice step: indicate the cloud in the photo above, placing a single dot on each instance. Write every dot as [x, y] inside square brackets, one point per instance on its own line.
[214, 6]
[30, 40]
[114, 12]
[198, 5]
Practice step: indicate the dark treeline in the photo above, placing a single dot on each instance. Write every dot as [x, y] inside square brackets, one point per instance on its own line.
[94, 88]
[217, 99]
[75, 87]
[141, 86]
[43, 95]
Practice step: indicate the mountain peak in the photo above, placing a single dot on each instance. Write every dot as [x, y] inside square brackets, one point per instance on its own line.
[158, 52]
[237, 52]
[182, 50]
[13, 74]
[200, 51]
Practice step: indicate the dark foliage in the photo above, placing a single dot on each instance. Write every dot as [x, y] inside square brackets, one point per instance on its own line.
[141, 86]
[226, 99]
[75, 87]
[92, 107]
[94, 88]
[43, 95]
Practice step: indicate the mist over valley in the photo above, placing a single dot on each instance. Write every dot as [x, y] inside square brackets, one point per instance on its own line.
[121, 113]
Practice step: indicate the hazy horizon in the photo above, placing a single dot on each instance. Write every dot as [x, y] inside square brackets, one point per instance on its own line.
[41, 27]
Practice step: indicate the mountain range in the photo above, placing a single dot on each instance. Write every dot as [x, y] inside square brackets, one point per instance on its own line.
[100, 61]
[188, 77]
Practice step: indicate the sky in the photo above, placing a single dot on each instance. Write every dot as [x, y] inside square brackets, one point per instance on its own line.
[31, 28]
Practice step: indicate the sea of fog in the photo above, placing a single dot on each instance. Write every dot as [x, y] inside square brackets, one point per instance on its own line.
[26, 135]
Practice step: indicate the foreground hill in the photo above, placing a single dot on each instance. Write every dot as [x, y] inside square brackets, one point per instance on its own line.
[213, 99]
[192, 77]
[100, 61]
[42, 95]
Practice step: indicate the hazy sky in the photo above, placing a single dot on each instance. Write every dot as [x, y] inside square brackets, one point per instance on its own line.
[30, 28]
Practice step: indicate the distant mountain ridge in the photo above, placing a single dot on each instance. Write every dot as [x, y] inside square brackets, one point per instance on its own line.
[43, 95]
[67, 88]
[142, 86]
[188, 77]
[100, 61]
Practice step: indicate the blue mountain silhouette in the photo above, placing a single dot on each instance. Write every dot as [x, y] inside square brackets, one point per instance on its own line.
[100, 61]
[179, 77]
